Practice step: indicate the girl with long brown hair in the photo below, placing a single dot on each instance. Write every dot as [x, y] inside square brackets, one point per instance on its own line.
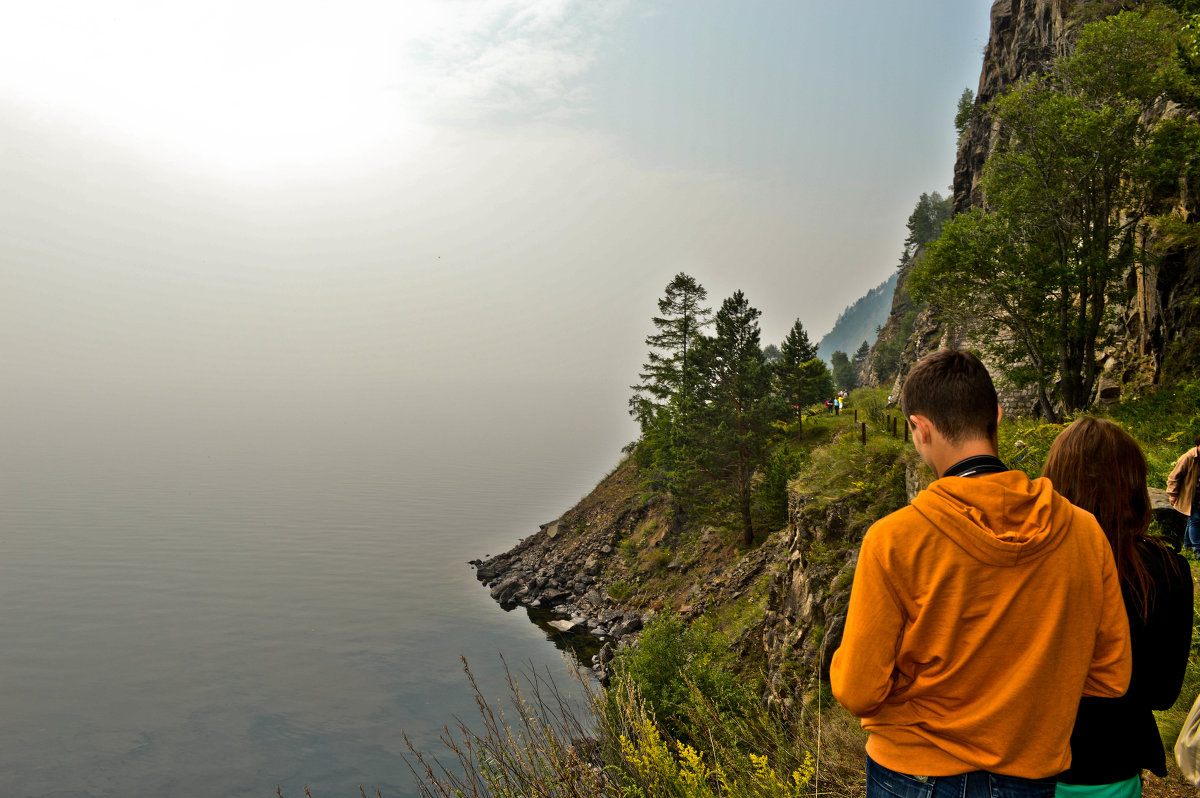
[1098, 466]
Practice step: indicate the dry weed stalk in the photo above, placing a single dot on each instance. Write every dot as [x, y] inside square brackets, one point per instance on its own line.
[540, 753]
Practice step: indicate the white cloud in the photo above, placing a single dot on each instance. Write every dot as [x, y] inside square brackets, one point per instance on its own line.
[260, 85]
[516, 56]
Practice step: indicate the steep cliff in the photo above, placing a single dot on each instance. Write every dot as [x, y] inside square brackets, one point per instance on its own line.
[1025, 36]
[1155, 338]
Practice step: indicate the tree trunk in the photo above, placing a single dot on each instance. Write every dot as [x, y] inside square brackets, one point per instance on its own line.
[744, 497]
[747, 522]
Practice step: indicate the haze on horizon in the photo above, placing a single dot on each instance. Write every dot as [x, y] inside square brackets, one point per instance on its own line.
[231, 203]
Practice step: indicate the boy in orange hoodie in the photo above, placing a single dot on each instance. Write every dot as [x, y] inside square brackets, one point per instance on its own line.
[979, 614]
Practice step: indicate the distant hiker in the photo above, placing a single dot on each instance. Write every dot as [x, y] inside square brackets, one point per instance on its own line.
[837, 406]
[891, 402]
[1181, 492]
[1098, 466]
[829, 406]
[979, 614]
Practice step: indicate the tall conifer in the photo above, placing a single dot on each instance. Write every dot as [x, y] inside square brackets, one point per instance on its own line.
[739, 410]
[801, 377]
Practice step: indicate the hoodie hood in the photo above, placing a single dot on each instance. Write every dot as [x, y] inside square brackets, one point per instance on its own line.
[1000, 519]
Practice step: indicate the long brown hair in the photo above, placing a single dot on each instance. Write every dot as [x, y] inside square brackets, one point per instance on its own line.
[1098, 466]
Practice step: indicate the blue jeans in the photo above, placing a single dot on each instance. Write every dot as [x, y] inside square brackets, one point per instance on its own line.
[1191, 538]
[884, 783]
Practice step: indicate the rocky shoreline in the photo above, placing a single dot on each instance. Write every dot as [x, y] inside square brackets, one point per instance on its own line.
[550, 572]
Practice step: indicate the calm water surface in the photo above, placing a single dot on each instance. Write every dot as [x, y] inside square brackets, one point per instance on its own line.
[215, 602]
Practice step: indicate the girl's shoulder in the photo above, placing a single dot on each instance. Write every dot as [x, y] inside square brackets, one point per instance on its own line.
[1162, 561]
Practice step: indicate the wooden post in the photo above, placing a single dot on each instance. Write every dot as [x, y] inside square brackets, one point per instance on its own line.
[856, 415]
[864, 433]
[906, 432]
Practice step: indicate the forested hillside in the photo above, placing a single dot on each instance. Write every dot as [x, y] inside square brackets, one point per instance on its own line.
[859, 322]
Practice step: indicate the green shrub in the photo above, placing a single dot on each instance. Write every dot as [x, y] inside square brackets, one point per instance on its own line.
[676, 663]
[782, 467]
[620, 590]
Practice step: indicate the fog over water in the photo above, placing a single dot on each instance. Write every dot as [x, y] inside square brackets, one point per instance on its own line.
[301, 308]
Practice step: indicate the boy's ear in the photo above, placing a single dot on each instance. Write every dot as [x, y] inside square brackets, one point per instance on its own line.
[920, 426]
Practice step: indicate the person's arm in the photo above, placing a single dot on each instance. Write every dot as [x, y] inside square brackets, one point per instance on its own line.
[1173, 478]
[1112, 658]
[1163, 658]
[861, 674]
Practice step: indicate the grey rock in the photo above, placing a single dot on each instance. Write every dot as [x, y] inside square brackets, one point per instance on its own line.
[506, 591]
[627, 627]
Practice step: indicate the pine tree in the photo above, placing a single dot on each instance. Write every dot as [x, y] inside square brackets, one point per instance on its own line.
[740, 407]
[670, 369]
[801, 377]
[665, 402]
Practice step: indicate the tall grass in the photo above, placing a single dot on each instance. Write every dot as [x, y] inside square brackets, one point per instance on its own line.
[614, 745]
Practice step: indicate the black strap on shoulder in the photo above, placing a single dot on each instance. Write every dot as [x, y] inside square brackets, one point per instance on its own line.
[974, 466]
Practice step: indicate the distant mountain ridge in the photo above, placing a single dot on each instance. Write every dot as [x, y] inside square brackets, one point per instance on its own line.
[859, 321]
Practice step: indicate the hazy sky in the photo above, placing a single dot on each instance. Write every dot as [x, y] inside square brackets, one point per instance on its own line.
[260, 198]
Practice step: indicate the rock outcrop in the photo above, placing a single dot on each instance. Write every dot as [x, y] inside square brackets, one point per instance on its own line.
[566, 568]
[1025, 36]
[808, 599]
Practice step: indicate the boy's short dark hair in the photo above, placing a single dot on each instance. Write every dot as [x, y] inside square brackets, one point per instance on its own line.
[953, 389]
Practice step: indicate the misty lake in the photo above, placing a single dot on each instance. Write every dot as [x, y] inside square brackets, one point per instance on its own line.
[213, 599]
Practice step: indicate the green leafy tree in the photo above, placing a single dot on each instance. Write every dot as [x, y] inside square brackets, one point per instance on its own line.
[740, 406]
[844, 375]
[1069, 191]
[781, 467]
[887, 360]
[888, 350]
[678, 668]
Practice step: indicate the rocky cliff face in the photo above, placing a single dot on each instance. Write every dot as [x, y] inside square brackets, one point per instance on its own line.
[1156, 337]
[809, 596]
[1161, 339]
[1026, 35]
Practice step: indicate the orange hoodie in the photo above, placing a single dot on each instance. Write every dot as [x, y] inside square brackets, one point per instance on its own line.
[979, 615]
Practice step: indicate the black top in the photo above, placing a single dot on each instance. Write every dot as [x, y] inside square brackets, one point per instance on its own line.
[1116, 738]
